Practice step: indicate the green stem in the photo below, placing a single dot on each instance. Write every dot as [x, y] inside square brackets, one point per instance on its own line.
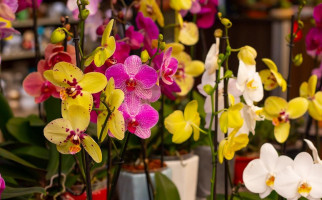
[109, 112]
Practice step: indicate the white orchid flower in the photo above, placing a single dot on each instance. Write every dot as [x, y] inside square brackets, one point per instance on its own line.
[211, 64]
[304, 179]
[260, 174]
[251, 114]
[314, 152]
[252, 88]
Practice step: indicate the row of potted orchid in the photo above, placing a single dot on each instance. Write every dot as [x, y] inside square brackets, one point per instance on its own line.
[104, 103]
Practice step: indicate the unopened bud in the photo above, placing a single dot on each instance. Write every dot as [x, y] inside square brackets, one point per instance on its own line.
[57, 36]
[218, 33]
[226, 22]
[85, 2]
[208, 89]
[247, 54]
[84, 14]
[300, 24]
[298, 59]
[160, 38]
[228, 74]
[144, 56]
[162, 45]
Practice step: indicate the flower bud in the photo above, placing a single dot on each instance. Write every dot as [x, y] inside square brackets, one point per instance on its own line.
[247, 54]
[208, 89]
[160, 38]
[226, 22]
[298, 59]
[218, 33]
[84, 14]
[162, 45]
[144, 56]
[85, 2]
[57, 36]
[228, 74]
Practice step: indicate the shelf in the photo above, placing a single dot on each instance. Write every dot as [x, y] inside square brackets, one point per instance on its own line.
[28, 23]
[19, 55]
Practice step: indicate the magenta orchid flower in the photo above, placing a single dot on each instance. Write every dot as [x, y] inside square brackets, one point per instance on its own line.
[150, 31]
[133, 78]
[6, 31]
[36, 86]
[139, 118]
[170, 90]
[23, 4]
[122, 51]
[195, 8]
[2, 185]
[206, 16]
[168, 67]
[8, 9]
[313, 38]
[135, 38]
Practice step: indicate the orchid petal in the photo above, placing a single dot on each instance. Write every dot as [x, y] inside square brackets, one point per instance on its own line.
[142, 133]
[281, 132]
[191, 110]
[67, 73]
[147, 117]
[147, 76]
[303, 163]
[107, 33]
[79, 117]
[194, 68]
[92, 148]
[268, 156]
[274, 105]
[93, 82]
[118, 73]
[189, 34]
[255, 175]
[32, 84]
[315, 181]
[133, 65]
[286, 183]
[57, 131]
[68, 148]
[116, 125]
[297, 107]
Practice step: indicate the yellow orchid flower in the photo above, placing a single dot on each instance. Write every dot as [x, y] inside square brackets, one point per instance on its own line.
[76, 87]
[231, 144]
[68, 133]
[307, 90]
[247, 54]
[271, 78]
[280, 112]
[180, 4]
[181, 125]
[9, 31]
[187, 68]
[113, 98]
[231, 118]
[188, 32]
[106, 50]
[150, 8]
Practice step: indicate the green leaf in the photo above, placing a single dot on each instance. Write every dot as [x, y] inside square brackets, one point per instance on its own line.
[20, 128]
[17, 172]
[35, 151]
[6, 114]
[17, 192]
[52, 108]
[165, 188]
[53, 161]
[8, 155]
[34, 120]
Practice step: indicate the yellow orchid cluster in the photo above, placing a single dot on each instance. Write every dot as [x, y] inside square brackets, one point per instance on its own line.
[69, 132]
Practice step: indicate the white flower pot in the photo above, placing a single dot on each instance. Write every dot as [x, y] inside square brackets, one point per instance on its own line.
[185, 175]
[133, 186]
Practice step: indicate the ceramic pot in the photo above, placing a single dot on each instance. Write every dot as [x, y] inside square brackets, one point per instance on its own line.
[133, 186]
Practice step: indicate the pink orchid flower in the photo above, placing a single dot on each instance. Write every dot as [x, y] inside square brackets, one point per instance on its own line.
[139, 118]
[55, 53]
[8, 9]
[37, 86]
[135, 38]
[2, 185]
[206, 16]
[122, 51]
[6, 31]
[150, 31]
[313, 38]
[167, 66]
[133, 78]
[23, 4]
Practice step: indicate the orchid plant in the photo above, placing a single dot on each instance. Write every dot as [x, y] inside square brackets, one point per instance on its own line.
[134, 80]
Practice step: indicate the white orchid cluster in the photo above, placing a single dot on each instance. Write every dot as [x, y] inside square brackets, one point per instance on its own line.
[247, 84]
[291, 179]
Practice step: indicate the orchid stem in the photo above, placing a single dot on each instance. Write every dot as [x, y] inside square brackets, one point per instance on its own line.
[88, 175]
[162, 128]
[109, 165]
[118, 167]
[146, 170]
